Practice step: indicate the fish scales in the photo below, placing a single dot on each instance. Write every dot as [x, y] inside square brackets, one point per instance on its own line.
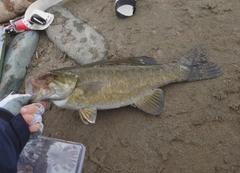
[122, 84]
[117, 83]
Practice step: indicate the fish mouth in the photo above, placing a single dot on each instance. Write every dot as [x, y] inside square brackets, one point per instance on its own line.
[29, 88]
[37, 91]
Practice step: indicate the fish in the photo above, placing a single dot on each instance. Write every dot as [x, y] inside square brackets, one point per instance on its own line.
[110, 84]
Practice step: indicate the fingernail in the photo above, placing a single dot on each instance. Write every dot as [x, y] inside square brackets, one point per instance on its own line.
[23, 110]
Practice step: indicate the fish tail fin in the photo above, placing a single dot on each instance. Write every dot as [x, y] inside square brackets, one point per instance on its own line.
[196, 61]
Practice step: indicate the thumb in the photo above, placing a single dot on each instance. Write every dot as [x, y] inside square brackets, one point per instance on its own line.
[14, 102]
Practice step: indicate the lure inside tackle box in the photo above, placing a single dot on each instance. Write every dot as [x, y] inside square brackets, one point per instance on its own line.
[45, 154]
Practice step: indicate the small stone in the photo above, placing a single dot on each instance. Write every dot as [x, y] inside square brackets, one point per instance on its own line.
[17, 60]
[220, 95]
[124, 142]
[234, 105]
[198, 122]
[46, 59]
[74, 37]
[34, 63]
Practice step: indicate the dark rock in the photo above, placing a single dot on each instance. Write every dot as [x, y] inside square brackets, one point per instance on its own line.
[18, 57]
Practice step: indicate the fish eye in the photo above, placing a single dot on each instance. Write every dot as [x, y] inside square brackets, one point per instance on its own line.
[49, 74]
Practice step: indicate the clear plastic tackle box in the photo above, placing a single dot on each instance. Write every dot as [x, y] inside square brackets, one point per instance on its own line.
[50, 155]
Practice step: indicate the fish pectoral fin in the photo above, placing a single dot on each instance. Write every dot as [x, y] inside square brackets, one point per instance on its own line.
[152, 103]
[88, 115]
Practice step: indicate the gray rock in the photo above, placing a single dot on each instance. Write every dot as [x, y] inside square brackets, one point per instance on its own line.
[18, 57]
[74, 37]
[12, 9]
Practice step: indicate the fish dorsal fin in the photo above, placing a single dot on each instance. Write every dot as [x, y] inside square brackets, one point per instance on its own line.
[142, 60]
[88, 115]
[152, 103]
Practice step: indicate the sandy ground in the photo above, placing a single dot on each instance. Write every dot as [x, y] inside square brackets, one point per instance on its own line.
[198, 130]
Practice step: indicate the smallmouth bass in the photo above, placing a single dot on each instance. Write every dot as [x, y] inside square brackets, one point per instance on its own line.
[116, 83]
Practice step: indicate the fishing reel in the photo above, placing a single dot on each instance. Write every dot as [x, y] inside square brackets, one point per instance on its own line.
[38, 20]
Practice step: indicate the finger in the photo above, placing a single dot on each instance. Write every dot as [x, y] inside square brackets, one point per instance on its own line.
[28, 118]
[29, 109]
[20, 98]
[43, 102]
[34, 127]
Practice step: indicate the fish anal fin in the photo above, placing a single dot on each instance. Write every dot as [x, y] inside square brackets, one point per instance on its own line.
[83, 119]
[88, 115]
[152, 103]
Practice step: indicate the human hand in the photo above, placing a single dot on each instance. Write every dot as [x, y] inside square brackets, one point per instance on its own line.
[32, 114]
[14, 103]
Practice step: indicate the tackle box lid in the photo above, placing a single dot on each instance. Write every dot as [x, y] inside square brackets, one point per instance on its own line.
[48, 155]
